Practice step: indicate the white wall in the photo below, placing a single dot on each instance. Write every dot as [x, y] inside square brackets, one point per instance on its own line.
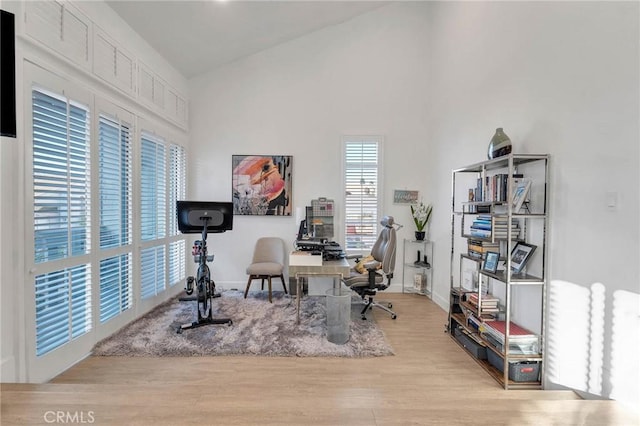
[367, 76]
[561, 79]
[436, 79]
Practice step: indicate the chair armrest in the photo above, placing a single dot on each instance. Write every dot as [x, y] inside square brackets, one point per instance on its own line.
[354, 256]
[372, 266]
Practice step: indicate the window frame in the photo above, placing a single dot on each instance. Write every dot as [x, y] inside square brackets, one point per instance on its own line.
[346, 140]
[40, 366]
[122, 253]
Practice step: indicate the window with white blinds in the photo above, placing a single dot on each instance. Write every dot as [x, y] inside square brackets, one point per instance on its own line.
[177, 183]
[153, 187]
[115, 286]
[115, 182]
[176, 262]
[61, 184]
[362, 190]
[152, 271]
[177, 191]
[153, 213]
[115, 185]
[63, 307]
[61, 218]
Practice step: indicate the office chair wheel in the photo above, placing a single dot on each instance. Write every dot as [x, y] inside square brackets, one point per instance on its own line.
[389, 305]
[394, 316]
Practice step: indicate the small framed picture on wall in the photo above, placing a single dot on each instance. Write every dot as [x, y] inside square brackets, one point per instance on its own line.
[405, 196]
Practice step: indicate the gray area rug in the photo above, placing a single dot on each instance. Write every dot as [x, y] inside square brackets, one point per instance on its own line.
[259, 328]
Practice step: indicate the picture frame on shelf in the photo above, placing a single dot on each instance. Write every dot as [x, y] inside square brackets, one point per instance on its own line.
[520, 255]
[521, 187]
[491, 262]
[419, 282]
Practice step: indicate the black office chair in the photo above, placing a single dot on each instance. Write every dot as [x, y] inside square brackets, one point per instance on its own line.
[379, 271]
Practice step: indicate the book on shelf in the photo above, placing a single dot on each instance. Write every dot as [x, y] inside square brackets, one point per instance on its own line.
[482, 233]
[493, 189]
[488, 317]
[475, 254]
[514, 329]
[486, 300]
[481, 225]
[482, 244]
[482, 250]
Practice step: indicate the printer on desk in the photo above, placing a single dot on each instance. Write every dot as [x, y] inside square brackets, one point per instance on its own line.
[316, 230]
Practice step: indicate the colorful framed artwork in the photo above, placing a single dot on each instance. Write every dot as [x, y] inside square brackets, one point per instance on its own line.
[261, 185]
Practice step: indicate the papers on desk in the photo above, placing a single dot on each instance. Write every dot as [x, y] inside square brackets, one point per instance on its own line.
[305, 258]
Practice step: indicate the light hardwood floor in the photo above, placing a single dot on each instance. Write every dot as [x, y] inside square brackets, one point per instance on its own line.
[429, 381]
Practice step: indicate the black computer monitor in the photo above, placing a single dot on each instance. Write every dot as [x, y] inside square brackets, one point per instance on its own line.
[192, 216]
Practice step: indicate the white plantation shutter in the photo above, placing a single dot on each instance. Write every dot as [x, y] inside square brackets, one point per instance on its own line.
[115, 183]
[177, 183]
[153, 213]
[176, 262]
[63, 307]
[153, 202]
[145, 85]
[152, 88]
[75, 35]
[59, 26]
[112, 63]
[152, 270]
[177, 191]
[61, 184]
[362, 189]
[61, 218]
[115, 286]
[158, 92]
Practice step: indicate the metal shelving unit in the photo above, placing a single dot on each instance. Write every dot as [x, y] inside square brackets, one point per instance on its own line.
[519, 298]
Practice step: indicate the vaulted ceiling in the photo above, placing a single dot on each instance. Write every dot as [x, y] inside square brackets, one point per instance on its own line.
[198, 36]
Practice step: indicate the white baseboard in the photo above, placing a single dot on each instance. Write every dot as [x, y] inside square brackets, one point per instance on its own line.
[8, 370]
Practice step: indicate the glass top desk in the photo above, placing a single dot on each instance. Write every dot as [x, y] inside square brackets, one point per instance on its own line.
[303, 265]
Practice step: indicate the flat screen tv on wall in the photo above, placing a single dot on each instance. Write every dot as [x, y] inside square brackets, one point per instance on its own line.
[7, 74]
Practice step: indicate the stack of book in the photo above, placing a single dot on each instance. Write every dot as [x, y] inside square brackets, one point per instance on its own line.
[500, 226]
[487, 306]
[482, 227]
[478, 248]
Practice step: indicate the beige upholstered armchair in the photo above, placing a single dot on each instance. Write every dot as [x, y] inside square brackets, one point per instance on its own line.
[268, 262]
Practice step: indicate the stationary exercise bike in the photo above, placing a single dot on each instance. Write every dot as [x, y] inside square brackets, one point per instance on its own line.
[204, 217]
